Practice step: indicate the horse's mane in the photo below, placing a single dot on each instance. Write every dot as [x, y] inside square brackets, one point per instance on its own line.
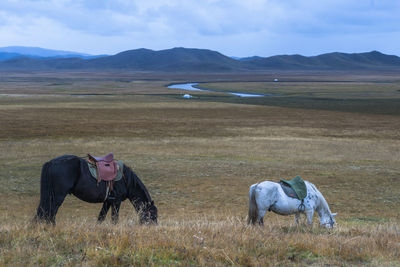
[137, 183]
[322, 199]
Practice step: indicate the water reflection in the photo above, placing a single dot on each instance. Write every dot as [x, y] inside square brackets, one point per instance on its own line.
[190, 87]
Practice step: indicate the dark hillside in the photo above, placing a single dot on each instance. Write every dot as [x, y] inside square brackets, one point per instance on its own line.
[202, 60]
[29, 63]
[6, 56]
[330, 61]
[176, 59]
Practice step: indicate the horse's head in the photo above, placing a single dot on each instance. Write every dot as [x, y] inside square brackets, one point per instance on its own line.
[148, 214]
[328, 221]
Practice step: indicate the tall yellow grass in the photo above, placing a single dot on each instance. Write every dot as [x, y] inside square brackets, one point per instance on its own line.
[198, 241]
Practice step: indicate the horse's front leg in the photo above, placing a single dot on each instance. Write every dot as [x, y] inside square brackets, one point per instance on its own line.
[103, 212]
[297, 218]
[115, 211]
[309, 215]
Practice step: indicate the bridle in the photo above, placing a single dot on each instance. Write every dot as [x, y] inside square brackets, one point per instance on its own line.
[331, 222]
[147, 213]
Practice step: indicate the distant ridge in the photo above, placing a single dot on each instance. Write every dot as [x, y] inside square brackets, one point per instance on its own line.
[333, 61]
[38, 52]
[181, 59]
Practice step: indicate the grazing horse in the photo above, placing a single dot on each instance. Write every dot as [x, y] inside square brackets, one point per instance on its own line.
[269, 196]
[70, 174]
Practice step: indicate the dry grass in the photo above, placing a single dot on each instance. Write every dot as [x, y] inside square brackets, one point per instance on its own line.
[198, 159]
[200, 241]
[349, 90]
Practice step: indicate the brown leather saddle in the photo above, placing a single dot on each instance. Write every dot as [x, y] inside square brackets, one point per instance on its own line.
[107, 167]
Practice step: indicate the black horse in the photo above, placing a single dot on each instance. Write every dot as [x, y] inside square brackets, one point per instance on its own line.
[70, 174]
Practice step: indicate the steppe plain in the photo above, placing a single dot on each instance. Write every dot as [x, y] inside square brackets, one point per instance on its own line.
[198, 157]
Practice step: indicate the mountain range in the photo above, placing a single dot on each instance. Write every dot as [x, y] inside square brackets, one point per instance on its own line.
[188, 60]
[10, 52]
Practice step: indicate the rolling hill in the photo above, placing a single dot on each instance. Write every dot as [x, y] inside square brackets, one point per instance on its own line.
[330, 61]
[196, 60]
[175, 59]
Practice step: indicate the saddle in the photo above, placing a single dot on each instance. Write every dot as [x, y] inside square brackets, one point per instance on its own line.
[295, 188]
[107, 167]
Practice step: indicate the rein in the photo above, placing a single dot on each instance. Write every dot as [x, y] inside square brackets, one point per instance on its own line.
[301, 207]
[126, 182]
[331, 221]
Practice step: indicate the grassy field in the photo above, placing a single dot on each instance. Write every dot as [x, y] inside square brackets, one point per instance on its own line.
[198, 158]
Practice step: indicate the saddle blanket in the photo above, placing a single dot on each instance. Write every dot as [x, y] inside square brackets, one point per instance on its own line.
[298, 186]
[93, 170]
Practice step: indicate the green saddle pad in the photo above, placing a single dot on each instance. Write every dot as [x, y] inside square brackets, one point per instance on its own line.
[93, 170]
[298, 185]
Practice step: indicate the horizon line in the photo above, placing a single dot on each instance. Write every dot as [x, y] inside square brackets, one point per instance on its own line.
[177, 47]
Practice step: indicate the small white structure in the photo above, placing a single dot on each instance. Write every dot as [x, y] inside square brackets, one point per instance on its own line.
[187, 96]
[276, 80]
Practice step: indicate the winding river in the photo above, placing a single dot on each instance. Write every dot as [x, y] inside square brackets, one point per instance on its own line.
[190, 87]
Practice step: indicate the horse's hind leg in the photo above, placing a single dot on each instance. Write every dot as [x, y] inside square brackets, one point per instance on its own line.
[261, 214]
[115, 212]
[54, 187]
[103, 212]
[58, 201]
[47, 212]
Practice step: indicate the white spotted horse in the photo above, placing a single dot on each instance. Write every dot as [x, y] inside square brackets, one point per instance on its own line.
[271, 196]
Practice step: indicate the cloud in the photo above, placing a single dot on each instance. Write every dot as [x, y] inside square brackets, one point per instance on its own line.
[234, 26]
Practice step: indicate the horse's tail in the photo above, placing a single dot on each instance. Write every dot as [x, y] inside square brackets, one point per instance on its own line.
[44, 210]
[253, 210]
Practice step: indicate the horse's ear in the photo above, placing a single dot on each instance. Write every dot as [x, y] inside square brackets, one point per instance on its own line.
[334, 214]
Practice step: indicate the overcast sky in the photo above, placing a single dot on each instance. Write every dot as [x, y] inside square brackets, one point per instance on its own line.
[232, 27]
